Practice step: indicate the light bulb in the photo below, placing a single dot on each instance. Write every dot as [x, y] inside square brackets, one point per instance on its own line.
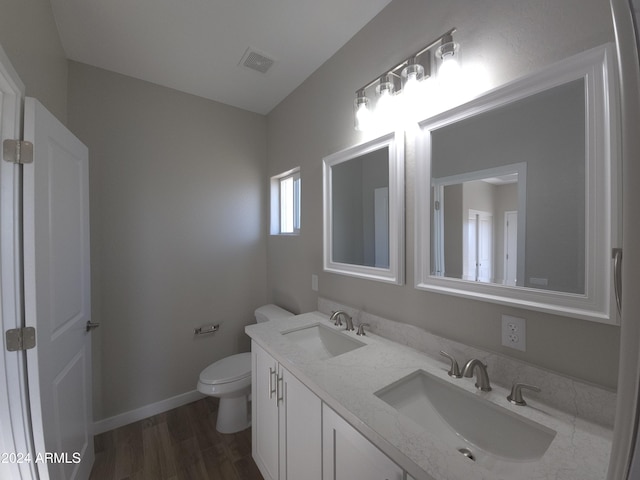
[411, 86]
[363, 118]
[362, 113]
[385, 111]
[384, 106]
[449, 70]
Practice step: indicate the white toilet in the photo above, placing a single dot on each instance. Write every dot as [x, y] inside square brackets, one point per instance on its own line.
[229, 379]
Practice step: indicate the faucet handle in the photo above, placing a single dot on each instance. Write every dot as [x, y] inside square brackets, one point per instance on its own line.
[515, 396]
[361, 329]
[454, 371]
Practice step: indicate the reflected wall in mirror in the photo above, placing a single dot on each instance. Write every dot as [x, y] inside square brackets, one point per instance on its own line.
[360, 209]
[514, 194]
[364, 210]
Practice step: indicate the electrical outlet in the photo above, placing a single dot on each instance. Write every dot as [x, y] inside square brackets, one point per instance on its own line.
[314, 282]
[514, 332]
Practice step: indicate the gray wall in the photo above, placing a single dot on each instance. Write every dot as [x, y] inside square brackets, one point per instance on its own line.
[511, 39]
[178, 232]
[29, 36]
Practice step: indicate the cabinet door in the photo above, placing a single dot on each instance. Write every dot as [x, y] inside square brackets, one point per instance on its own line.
[301, 420]
[264, 412]
[347, 455]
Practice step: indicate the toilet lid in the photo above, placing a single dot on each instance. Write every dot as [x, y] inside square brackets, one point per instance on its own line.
[228, 369]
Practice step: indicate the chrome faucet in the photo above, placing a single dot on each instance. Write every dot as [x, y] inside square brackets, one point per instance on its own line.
[335, 317]
[482, 378]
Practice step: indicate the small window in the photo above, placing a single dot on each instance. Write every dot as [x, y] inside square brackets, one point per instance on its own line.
[285, 203]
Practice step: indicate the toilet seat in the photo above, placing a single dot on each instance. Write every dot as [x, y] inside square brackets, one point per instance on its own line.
[227, 370]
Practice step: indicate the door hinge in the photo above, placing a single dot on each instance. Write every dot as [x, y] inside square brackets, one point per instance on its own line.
[20, 339]
[17, 151]
[437, 205]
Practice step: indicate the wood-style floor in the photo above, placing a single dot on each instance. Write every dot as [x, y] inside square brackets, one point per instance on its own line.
[175, 445]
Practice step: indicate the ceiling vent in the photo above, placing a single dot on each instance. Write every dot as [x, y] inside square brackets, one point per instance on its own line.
[256, 61]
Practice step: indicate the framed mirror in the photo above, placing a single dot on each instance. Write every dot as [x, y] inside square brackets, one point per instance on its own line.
[363, 210]
[516, 193]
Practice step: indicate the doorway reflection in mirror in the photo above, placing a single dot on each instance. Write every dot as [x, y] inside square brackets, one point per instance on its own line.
[475, 225]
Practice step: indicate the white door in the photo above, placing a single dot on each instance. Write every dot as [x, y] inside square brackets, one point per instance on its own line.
[471, 250]
[479, 248]
[511, 248]
[485, 248]
[57, 296]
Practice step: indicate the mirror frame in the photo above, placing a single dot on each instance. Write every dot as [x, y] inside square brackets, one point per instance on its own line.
[395, 273]
[602, 173]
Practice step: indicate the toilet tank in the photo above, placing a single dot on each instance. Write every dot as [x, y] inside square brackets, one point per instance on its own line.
[269, 312]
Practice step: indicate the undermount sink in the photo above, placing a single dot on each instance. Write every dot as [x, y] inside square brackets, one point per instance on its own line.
[466, 421]
[321, 341]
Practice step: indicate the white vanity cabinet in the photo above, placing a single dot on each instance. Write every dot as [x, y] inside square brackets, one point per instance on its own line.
[286, 422]
[347, 455]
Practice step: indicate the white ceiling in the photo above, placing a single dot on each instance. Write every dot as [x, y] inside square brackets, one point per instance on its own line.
[196, 45]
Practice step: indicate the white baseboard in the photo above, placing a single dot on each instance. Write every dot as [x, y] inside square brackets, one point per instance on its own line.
[141, 413]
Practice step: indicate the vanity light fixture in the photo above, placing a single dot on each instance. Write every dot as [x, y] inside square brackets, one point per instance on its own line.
[404, 78]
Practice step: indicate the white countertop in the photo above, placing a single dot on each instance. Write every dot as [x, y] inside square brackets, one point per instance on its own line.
[346, 383]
